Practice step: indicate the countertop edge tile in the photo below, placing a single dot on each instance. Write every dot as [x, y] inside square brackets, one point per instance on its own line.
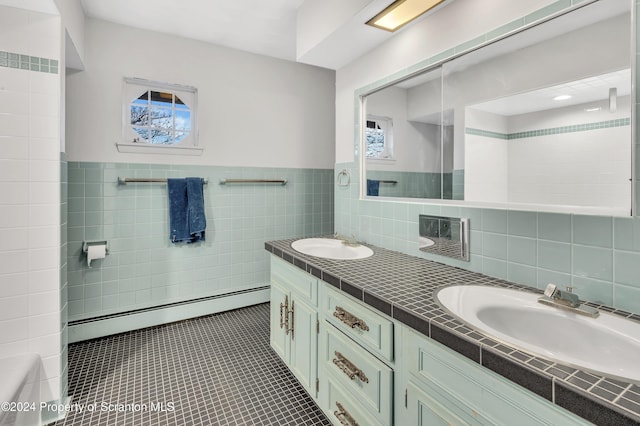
[518, 373]
[582, 403]
[452, 340]
[411, 320]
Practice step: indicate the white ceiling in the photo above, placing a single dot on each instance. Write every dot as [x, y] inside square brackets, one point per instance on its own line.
[266, 27]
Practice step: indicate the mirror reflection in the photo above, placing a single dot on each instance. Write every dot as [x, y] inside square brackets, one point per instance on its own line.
[541, 118]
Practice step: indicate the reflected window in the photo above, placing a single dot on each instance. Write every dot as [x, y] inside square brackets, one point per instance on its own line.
[379, 137]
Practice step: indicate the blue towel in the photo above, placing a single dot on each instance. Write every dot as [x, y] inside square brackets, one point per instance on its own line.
[373, 187]
[187, 220]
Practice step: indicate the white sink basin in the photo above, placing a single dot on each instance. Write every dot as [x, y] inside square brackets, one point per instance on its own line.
[425, 242]
[608, 345]
[330, 248]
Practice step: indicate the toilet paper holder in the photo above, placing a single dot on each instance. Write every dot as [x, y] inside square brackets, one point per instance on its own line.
[86, 244]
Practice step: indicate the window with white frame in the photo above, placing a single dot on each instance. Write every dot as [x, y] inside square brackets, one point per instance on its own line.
[379, 137]
[160, 116]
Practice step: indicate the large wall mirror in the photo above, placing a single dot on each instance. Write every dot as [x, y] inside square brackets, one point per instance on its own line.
[540, 120]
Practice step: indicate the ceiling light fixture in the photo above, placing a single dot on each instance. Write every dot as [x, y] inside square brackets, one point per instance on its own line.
[400, 13]
[562, 97]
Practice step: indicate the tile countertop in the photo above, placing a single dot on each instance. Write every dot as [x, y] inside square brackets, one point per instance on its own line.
[402, 286]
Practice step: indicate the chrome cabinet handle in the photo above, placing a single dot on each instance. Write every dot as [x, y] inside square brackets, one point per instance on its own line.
[350, 319]
[286, 315]
[292, 317]
[281, 316]
[349, 368]
[343, 416]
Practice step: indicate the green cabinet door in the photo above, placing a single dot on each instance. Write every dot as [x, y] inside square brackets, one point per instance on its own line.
[304, 344]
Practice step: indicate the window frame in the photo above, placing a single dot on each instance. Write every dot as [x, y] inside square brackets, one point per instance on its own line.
[132, 88]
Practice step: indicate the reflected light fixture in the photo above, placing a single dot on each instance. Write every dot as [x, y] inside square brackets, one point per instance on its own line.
[562, 97]
[401, 12]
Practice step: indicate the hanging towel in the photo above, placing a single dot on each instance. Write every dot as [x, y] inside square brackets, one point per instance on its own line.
[373, 187]
[187, 220]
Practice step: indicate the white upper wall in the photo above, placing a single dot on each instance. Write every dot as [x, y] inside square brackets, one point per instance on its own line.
[311, 31]
[253, 110]
[434, 34]
[73, 20]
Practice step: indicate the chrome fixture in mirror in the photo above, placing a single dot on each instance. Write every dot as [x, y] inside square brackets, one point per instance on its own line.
[445, 236]
[539, 120]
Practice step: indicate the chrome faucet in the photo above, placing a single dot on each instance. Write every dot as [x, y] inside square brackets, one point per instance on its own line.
[347, 241]
[566, 299]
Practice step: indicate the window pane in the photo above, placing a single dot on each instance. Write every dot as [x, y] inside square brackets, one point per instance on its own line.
[139, 115]
[180, 136]
[159, 136]
[183, 120]
[161, 117]
[143, 132]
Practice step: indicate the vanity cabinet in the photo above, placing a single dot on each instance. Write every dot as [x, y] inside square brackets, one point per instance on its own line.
[443, 387]
[355, 361]
[294, 321]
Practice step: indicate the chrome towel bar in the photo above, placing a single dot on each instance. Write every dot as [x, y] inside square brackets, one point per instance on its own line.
[227, 181]
[124, 181]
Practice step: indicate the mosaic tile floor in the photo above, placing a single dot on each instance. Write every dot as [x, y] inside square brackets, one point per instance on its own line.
[213, 370]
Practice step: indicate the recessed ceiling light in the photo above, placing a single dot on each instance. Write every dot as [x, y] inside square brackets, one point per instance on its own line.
[401, 12]
[562, 97]
[593, 109]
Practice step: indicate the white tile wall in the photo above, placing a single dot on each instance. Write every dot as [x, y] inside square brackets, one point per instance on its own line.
[30, 314]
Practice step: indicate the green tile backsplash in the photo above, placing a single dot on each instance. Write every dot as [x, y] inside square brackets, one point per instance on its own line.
[144, 269]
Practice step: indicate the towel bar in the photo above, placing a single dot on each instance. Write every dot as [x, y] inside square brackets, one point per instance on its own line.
[226, 181]
[124, 181]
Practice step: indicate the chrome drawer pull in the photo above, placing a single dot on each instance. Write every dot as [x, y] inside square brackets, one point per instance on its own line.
[344, 417]
[349, 368]
[349, 319]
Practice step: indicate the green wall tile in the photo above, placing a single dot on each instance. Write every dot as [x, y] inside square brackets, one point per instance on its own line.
[593, 231]
[626, 233]
[494, 267]
[522, 274]
[494, 245]
[593, 290]
[626, 268]
[555, 256]
[627, 298]
[593, 262]
[522, 250]
[523, 224]
[554, 226]
[494, 221]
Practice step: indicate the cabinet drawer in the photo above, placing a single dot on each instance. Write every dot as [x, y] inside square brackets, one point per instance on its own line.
[367, 379]
[366, 327]
[301, 284]
[342, 409]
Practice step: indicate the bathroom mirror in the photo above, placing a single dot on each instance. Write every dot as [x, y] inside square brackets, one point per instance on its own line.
[540, 120]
